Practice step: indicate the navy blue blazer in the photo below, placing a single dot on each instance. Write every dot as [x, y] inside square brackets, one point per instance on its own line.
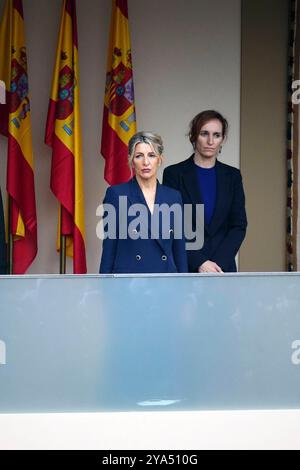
[226, 231]
[140, 255]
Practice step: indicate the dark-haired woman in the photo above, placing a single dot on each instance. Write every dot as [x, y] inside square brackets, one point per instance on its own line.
[202, 179]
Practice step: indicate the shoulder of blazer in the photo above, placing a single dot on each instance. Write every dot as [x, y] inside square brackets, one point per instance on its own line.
[181, 167]
[122, 188]
[223, 167]
[119, 189]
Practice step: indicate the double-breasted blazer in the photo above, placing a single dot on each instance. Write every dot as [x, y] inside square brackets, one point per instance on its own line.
[142, 255]
[226, 231]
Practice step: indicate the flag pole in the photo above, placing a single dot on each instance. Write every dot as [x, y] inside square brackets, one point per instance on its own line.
[10, 245]
[62, 253]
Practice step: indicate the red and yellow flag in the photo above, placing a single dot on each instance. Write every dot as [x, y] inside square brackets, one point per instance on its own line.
[63, 134]
[119, 120]
[15, 123]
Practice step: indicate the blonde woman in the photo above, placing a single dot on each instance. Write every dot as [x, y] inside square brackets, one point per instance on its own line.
[143, 236]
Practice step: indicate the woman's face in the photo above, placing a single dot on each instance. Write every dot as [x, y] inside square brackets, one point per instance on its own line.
[145, 162]
[210, 139]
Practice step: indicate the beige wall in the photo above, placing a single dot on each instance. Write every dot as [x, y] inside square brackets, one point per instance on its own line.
[263, 132]
[186, 57]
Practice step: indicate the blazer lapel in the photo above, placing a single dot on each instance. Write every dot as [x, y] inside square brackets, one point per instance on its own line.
[136, 196]
[190, 182]
[135, 193]
[160, 199]
[191, 185]
[222, 188]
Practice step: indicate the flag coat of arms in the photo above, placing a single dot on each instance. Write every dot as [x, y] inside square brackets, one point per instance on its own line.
[63, 134]
[119, 120]
[15, 124]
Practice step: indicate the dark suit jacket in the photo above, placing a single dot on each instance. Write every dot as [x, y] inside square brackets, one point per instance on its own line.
[143, 255]
[2, 240]
[227, 229]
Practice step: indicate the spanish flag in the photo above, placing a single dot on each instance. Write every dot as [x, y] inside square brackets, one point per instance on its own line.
[119, 120]
[15, 124]
[63, 134]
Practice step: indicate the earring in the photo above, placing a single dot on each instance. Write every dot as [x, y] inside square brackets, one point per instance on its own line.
[220, 149]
